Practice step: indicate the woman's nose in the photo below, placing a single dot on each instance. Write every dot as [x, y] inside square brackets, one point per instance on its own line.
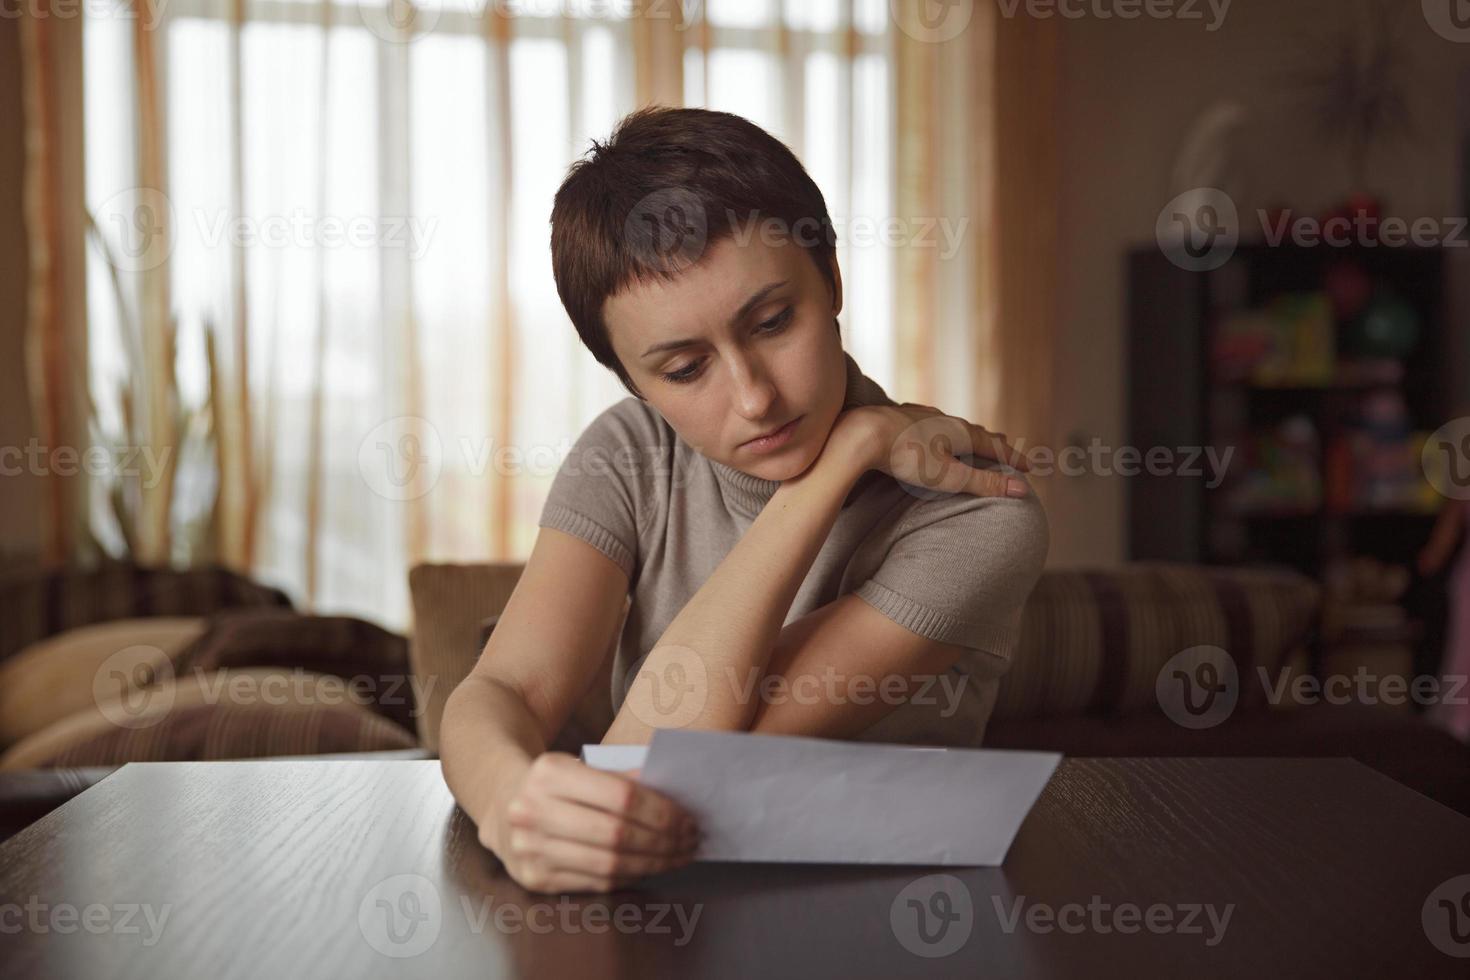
[754, 392]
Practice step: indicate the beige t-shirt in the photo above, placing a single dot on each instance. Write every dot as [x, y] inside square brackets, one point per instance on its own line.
[956, 568]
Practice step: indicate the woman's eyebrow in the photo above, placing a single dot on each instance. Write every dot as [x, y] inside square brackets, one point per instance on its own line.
[740, 314]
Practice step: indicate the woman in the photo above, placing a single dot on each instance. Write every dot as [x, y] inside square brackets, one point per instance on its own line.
[803, 555]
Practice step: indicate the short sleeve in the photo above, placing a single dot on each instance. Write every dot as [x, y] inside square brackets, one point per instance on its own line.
[961, 568]
[604, 480]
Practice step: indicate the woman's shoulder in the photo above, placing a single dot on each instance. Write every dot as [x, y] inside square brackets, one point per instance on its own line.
[1018, 526]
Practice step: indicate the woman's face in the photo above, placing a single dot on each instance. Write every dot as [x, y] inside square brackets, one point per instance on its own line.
[735, 347]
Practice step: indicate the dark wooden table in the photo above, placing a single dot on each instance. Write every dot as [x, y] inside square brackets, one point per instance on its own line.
[294, 868]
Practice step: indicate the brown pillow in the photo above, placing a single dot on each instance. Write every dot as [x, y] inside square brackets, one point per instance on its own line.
[372, 658]
[66, 673]
[217, 715]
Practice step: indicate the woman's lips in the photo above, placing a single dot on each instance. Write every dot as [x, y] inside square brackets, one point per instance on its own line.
[774, 441]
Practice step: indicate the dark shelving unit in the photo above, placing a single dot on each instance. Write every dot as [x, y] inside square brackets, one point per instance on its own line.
[1176, 399]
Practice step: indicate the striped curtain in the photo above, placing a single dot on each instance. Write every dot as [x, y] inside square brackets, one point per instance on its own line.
[304, 260]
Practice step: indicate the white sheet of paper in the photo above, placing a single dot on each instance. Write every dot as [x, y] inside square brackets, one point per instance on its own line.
[795, 799]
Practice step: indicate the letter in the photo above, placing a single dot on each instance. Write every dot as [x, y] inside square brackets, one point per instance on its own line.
[1218, 465]
[1125, 918]
[1220, 924]
[1455, 237]
[1039, 918]
[741, 238]
[892, 687]
[861, 689]
[655, 926]
[1274, 235]
[94, 918]
[64, 918]
[211, 683]
[618, 917]
[1330, 685]
[476, 919]
[953, 683]
[1187, 468]
[1422, 232]
[686, 926]
[1221, 10]
[921, 696]
[5, 911]
[952, 241]
[1456, 683]
[1274, 692]
[546, 925]
[508, 918]
[744, 691]
[1191, 911]
[125, 925]
[1078, 922]
[156, 465]
[422, 692]
[798, 682]
[1156, 461]
[155, 926]
[1007, 923]
[1127, 460]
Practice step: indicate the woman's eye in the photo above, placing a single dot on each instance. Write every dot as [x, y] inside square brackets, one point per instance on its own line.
[778, 321]
[684, 375]
[775, 324]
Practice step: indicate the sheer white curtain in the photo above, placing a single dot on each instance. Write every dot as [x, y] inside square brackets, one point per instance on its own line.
[355, 205]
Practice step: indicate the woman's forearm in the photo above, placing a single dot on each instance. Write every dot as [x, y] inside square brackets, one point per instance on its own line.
[487, 740]
[701, 672]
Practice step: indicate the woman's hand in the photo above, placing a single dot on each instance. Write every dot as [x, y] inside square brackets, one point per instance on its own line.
[570, 827]
[918, 445]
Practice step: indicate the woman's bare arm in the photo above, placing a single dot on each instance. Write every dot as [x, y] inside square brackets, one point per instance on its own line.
[557, 824]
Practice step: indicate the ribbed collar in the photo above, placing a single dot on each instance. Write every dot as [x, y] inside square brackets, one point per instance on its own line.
[751, 493]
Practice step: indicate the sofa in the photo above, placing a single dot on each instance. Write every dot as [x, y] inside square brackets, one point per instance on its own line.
[1084, 679]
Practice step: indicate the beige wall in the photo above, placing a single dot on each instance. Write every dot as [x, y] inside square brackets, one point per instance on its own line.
[1129, 91]
[20, 496]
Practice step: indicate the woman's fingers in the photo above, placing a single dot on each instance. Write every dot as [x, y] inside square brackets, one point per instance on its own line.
[598, 862]
[993, 445]
[617, 794]
[572, 820]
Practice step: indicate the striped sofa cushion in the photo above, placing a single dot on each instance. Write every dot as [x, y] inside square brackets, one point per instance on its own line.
[37, 603]
[1094, 640]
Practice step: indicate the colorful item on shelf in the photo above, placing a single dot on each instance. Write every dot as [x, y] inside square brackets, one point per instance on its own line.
[1288, 343]
[1389, 328]
[1279, 473]
[1374, 465]
[1348, 287]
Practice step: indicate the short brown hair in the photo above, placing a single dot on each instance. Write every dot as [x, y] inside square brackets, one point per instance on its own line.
[701, 169]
